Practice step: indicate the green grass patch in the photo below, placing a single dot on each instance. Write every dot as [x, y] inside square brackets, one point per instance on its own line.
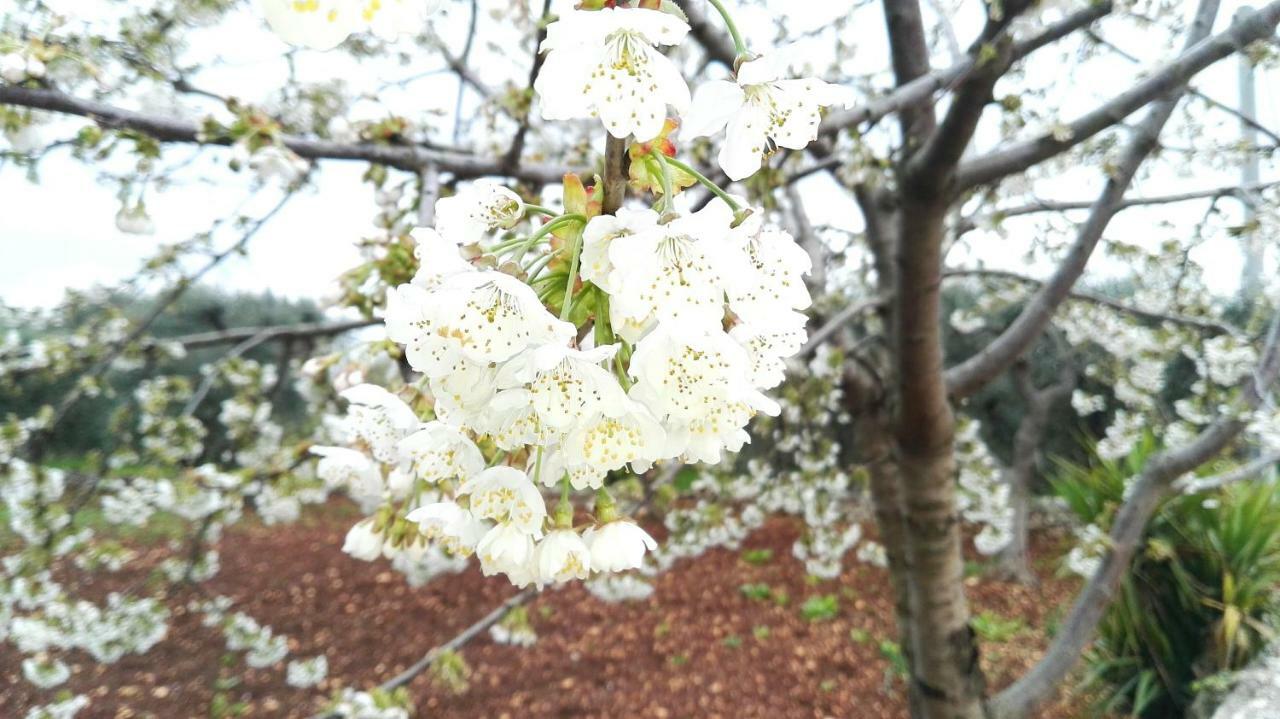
[820, 608]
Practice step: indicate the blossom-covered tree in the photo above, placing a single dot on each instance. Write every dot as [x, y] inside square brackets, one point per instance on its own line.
[597, 264]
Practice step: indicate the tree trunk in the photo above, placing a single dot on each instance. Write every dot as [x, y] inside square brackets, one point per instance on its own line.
[874, 446]
[1014, 560]
[944, 655]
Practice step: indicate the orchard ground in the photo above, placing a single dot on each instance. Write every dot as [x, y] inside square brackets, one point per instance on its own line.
[732, 633]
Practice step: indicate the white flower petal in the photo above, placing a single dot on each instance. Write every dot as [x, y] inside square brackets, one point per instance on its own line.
[714, 103]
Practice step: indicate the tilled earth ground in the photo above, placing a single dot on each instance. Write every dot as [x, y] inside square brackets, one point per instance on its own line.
[699, 647]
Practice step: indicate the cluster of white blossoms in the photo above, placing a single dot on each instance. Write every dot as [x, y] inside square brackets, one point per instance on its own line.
[648, 373]
[667, 326]
[984, 492]
[323, 24]
[607, 64]
[306, 673]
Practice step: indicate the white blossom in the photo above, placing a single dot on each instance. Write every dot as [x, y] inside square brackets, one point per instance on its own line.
[763, 112]
[457, 529]
[134, 220]
[506, 549]
[66, 709]
[675, 272]
[467, 217]
[363, 542]
[464, 393]
[618, 546]
[604, 64]
[438, 258]
[609, 440]
[768, 347]
[565, 385]
[45, 674]
[697, 384]
[306, 673]
[438, 452]
[273, 163]
[345, 467]
[482, 317]
[615, 588]
[506, 495]
[13, 67]
[766, 279]
[381, 419]
[599, 235]
[562, 556]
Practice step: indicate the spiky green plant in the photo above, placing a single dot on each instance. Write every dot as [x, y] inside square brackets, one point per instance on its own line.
[1201, 597]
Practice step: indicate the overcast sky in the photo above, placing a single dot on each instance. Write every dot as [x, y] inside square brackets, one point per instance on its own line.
[60, 233]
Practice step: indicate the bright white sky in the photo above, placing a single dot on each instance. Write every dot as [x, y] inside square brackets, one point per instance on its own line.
[60, 234]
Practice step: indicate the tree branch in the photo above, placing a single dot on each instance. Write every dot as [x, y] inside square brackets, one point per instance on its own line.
[1209, 327]
[616, 173]
[1193, 485]
[512, 158]
[1248, 26]
[921, 89]
[165, 129]
[837, 321]
[457, 642]
[279, 332]
[1038, 206]
[971, 374]
[936, 161]
[1251, 122]
[909, 51]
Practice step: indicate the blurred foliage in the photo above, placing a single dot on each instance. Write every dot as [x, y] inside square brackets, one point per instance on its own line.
[1201, 597]
[200, 309]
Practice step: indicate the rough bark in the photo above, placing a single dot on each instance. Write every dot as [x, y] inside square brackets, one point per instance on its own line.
[615, 174]
[944, 657]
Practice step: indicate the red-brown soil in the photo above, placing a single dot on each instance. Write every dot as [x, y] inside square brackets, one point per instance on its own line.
[696, 648]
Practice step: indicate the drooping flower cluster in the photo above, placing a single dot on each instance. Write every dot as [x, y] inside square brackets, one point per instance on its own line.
[645, 372]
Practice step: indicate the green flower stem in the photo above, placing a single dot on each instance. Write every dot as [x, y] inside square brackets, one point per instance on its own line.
[606, 507]
[738, 43]
[539, 265]
[547, 229]
[603, 331]
[539, 209]
[498, 248]
[715, 189]
[575, 253]
[563, 515]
